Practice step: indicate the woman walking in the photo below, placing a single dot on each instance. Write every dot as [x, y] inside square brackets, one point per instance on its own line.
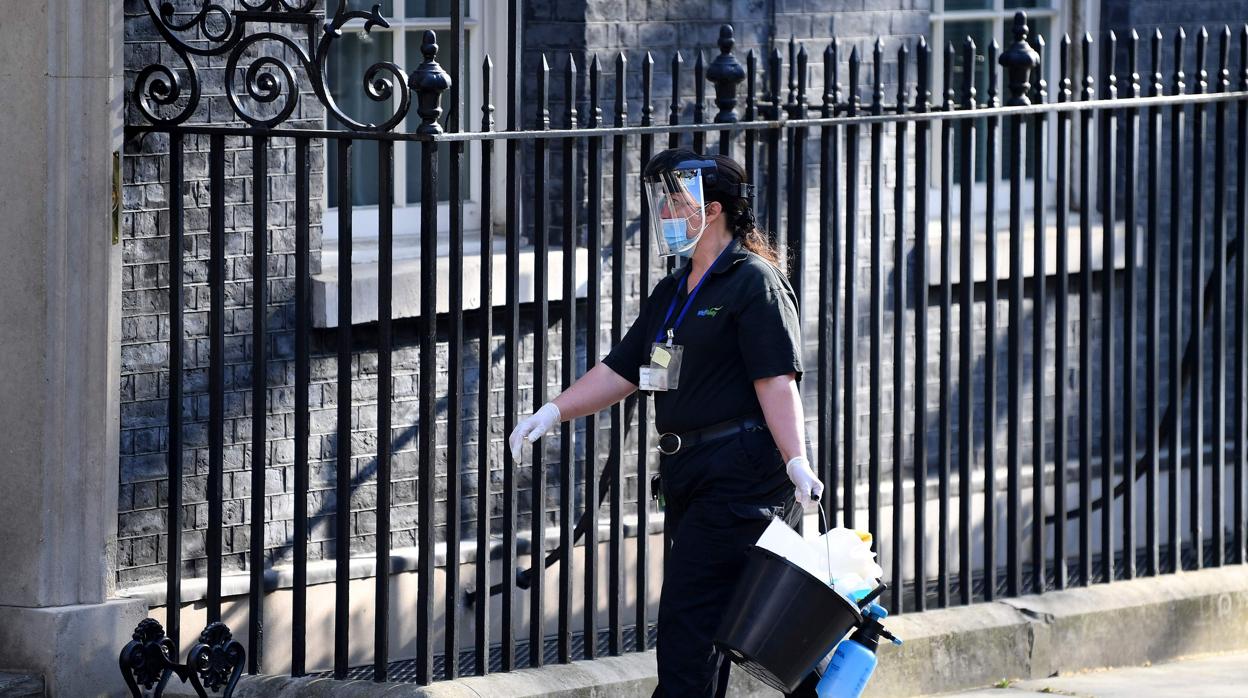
[718, 344]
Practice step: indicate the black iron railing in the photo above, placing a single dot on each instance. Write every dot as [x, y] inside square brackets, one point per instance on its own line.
[1118, 163]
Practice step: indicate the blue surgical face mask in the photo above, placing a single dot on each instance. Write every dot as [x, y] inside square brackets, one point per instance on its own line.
[676, 234]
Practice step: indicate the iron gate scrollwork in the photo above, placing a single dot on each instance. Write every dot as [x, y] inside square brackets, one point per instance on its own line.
[167, 96]
[268, 78]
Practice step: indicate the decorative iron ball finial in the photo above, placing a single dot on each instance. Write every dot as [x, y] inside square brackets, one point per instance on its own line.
[430, 81]
[726, 72]
[1019, 60]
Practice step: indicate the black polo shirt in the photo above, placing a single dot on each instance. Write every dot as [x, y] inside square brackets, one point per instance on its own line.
[743, 325]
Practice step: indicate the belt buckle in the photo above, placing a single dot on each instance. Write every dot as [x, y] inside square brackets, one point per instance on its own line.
[664, 451]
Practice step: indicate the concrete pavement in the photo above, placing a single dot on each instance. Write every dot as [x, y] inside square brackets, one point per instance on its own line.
[1208, 676]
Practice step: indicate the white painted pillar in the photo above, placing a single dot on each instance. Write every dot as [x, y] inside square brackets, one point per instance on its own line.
[60, 296]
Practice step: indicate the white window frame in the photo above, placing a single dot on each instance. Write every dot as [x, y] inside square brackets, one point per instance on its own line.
[1002, 19]
[487, 35]
[487, 26]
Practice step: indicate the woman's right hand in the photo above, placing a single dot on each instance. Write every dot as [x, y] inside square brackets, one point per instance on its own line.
[532, 428]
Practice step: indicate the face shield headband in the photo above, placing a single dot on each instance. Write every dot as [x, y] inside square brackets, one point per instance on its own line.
[677, 200]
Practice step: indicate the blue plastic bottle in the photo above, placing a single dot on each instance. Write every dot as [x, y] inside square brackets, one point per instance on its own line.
[854, 659]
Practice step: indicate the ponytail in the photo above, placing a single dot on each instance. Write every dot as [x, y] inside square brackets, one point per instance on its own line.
[744, 227]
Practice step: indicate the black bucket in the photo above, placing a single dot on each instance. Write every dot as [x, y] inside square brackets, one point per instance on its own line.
[782, 620]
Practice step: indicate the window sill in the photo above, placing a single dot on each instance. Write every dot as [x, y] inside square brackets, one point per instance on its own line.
[406, 302]
[1073, 251]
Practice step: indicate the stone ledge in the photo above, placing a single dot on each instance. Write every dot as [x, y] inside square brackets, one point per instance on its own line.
[405, 292]
[1125, 623]
[1074, 254]
[1121, 624]
[402, 560]
[1149, 621]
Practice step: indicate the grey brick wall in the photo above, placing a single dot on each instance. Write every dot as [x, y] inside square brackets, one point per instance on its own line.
[1147, 16]
[915, 24]
[142, 522]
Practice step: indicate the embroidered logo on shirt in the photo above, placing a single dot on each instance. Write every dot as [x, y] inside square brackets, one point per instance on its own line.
[710, 312]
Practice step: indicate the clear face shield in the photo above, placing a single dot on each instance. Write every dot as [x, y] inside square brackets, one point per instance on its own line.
[677, 210]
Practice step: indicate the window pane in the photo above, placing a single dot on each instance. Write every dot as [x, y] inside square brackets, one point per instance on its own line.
[954, 5]
[355, 53]
[412, 8]
[1038, 26]
[414, 155]
[387, 7]
[1023, 4]
[347, 66]
[363, 173]
[413, 58]
[429, 8]
[981, 33]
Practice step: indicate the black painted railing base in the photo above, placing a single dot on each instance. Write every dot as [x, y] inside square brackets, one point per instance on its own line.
[1187, 557]
[215, 663]
[404, 671]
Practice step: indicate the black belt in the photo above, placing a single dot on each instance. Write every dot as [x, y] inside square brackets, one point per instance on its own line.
[670, 443]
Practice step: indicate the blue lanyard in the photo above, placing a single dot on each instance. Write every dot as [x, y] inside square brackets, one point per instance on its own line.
[658, 337]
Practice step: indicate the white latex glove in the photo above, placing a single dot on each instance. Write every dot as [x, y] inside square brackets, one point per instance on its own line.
[533, 427]
[805, 483]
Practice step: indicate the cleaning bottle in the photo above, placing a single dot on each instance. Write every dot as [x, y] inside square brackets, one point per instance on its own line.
[854, 659]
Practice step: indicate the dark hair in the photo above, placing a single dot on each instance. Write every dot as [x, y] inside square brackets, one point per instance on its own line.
[727, 190]
[724, 186]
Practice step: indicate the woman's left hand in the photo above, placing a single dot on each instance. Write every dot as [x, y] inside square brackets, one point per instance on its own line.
[807, 487]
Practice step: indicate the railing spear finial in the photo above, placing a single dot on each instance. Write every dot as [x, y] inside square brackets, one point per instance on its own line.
[429, 81]
[1019, 60]
[726, 72]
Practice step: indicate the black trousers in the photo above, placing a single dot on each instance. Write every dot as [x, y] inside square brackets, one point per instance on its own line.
[720, 496]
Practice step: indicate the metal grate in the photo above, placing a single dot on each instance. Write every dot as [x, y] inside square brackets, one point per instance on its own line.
[404, 671]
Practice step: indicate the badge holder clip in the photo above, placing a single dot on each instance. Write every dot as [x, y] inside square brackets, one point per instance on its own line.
[663, 371]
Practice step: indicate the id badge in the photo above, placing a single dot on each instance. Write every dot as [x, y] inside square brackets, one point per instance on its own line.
[663, 371]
